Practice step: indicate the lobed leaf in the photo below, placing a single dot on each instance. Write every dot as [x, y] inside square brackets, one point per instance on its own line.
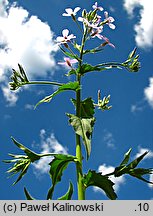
[86, 108]
[97, 179]
[84, 128]
[88, 68]
[130, 168]
[57, 166]
[139, 172]
[74, 86]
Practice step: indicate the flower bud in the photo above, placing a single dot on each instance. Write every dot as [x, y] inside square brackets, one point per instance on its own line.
[84, 12]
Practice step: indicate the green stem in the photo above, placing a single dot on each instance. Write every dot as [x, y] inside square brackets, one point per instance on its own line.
[41, 83]
[79, 168]
[81, 192]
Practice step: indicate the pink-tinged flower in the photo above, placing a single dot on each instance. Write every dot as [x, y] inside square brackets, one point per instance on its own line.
[84, 20]
[90, 25]
[107, 42]
[96, 33]
[68, 62]
[66, 37]
[109, 20]
[70, 12]
[95, 7]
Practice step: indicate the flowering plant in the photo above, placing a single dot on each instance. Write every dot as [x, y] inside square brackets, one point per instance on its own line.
[91, 26]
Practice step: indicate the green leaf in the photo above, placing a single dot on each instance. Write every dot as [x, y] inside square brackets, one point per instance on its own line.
[87, 108]
[85, 68]
[139, 172]
[28, 196]
[126, 158]
[88, 68]
[69, 193]
[74, 86]
[92, 51]
[57, 166]
[134, 163]
[72, 71]
[130, 168]
[97, 179]
[70, 54]
[31, 155]
[84, 128]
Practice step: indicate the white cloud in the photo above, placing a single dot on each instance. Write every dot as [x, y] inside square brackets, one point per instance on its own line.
[151, 180]
[148, 156]
[29, 106]
[26, 40]
[104, 169]
[144, 28]
[148, 91]
[143, 150]
[48, 145]
[109, 139]
[11, 97]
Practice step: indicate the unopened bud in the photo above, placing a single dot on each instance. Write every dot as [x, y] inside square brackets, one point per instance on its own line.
[84, 12]
[131, 55]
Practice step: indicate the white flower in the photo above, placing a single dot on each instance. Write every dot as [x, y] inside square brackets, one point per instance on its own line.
[109, 20]
[66, 38]
[95, 7]
[68, 62]
[70, 12]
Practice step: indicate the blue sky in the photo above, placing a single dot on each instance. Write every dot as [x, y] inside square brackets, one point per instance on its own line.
[28, 30]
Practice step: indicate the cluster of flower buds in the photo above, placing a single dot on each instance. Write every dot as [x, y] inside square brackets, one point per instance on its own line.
[132, 63]
[103, 103]
[18, 78]
[21, 163]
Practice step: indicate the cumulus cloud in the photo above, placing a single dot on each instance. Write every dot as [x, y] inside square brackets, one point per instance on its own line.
[144, 28]
[148, 156]
[143, 150]
[109, 139]
[26, 40]
[11, 97]
[148, 92]
[104, 169]
[49, 144]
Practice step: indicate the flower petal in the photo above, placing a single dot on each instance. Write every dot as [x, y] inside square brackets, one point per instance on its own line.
[81, 19]
[69, 11]
[112, 26]
[106, 14]
[65, 14]
[76, 10]
[73, 61]
[59, 39]
[65, 32]
[111, 19]
[71, 36]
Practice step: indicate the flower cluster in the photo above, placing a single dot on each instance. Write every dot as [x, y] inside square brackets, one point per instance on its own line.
[93, 26]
